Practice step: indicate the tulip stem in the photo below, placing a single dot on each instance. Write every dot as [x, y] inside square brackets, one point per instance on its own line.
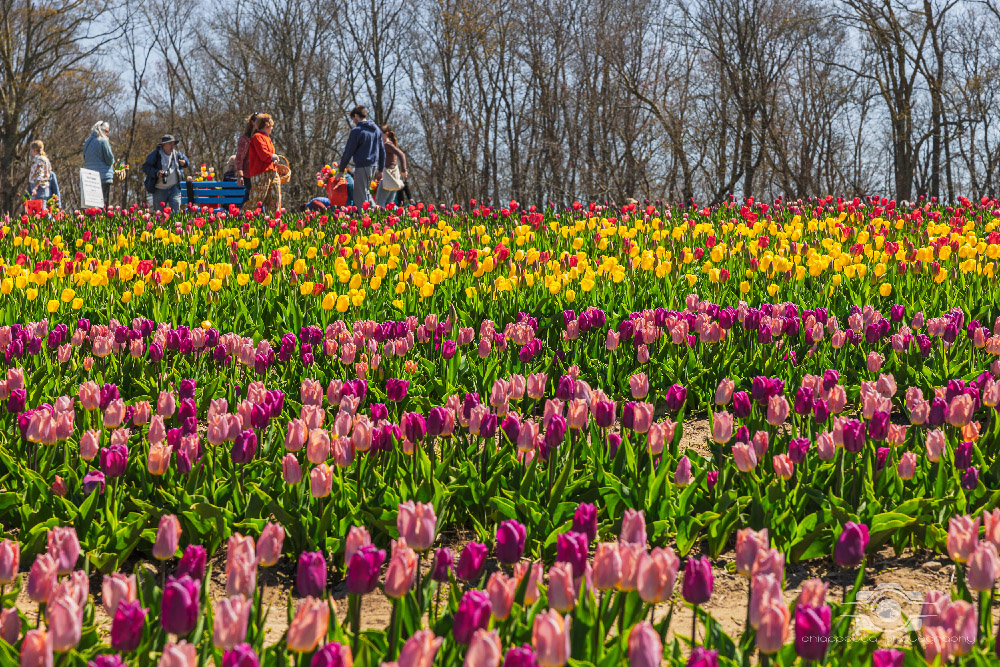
[355, 608]
[393, 630]
[694, 625]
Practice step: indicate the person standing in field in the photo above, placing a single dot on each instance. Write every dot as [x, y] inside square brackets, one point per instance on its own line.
[164, 169]
[243, 156]
[97, 156]
[261, 164]
[39, 172]
[365, 147]
[394, 175]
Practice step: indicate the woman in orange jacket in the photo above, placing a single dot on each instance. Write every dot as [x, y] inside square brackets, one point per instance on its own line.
[262, 170]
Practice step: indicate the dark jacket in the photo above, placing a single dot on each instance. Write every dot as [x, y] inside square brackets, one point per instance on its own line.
[364, 146]
[151, 168]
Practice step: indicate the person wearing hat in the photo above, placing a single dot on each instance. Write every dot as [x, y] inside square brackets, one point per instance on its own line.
[164, 169]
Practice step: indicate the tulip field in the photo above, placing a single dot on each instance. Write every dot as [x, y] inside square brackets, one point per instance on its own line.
[323, 402]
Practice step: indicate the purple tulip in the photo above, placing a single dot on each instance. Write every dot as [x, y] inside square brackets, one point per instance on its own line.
[614, 442]
[676, 396]
[437, 417]
[850, 548]
[797, 450]
[470, 401]
[938, 413]
[126, 626]
[572, 548]
[109, 392]
[93, 481]
[471, 562]
[488, 426]
[887, 657]
[396, 389]
[970, 478]
[741, 405]
[511, 427]
[878, 426]
[473, 613]
[192, 562]
[241, 655]
[448, 349]
[330, 655]
[804, 401]
[698, 581]
[180, 605]
[566, 388]
[711, 477]
[604, 414]
[821, 410]
[830, 379]
[963, 455]
[854, 436]
[363, 570]
[520, 656]
[444, 561]
[511, 536]
[114, 460]
[187, 409]
[378, 412]
[414, 427]
[703, 657]
[628, 415]
[555, 432]
[244, 447]
[881, 456]
[310, 576]
[585, 521]
[260, 416]
[812, 631]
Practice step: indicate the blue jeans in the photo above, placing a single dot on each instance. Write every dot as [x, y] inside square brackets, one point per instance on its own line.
[350, 189]
[40, 192]
[167, 197]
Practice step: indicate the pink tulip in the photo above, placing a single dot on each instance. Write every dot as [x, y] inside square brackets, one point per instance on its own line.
[991, 526]
[90, 395]
[291, 471]
[937, 645]
[960, 410]
[657, 574]
[65, 620]
[10, 625]
[607, 570]
[230, 618]
[639, 383]
[166, 404]
[631, 555]
[118, 588]
[777, 410]
[682, 475]
[241, 566]
[875, 361]
[744, 457]
[42, 577]
[963, 535]
[536, 385]
[633, 527]
[318, 449]
[533, 571]
[550, 639]
[764, 589]
[748, 543]
[159, 459]
[772, 628]
[907, 465]
[501, 589]
[484, 649]
[722, 427]
[645, 649]
[562, 592]
[10, 561]
[983, 567]
[825, 447]
[961, 622]
[419, 649]
[269, 545]
[783, 466]
[309, 627]
[933, 608]
[64, 546]
[157, 430]
[417, 523]
[402, 569]
[813, 593]
[36, 649]
[724, 392]
[168, 536]
[643, 417]
[321, 481]
[357, 537]
[935, 443]
[760, 443]
[311, 392]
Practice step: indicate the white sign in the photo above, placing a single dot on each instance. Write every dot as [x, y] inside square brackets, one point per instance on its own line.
[91, 194]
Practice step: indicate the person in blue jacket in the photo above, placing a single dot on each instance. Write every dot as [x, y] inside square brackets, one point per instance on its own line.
[364, 146]
[97, 156]
[164, 169]
[54, 189]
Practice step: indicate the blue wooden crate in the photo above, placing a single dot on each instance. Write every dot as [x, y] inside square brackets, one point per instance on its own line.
[213, 193]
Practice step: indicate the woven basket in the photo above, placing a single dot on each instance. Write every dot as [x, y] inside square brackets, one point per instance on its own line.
[284, 170]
